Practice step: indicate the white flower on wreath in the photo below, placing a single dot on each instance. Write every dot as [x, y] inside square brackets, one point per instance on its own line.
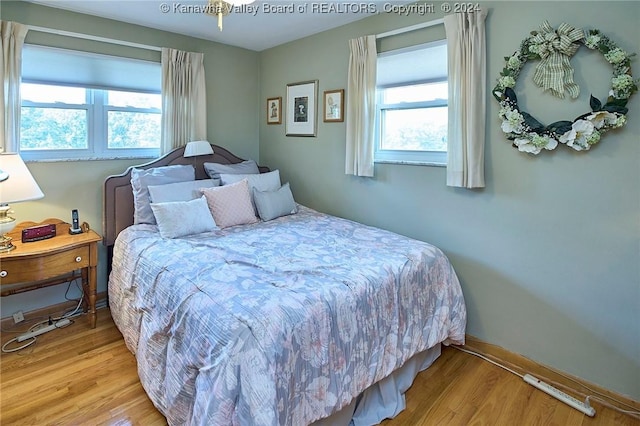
[513, 121]
[592, 41]
[622, 86]
[514, 62]
[616, 56]
[582, 135]
[525, 145]
[602, 119]
[535, 49]
[533, 143]
[506, 81]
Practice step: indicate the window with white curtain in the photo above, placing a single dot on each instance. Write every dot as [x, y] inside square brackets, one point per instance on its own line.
[78, 105]
[411, 106]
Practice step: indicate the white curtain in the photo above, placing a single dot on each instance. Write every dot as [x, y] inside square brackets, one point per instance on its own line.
[467, 54]
[13, 35]
[184, 103]
[361, 106]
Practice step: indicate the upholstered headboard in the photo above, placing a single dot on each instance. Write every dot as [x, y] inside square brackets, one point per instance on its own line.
[117, 205]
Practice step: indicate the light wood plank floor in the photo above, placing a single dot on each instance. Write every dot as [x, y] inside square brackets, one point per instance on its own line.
[78, 376]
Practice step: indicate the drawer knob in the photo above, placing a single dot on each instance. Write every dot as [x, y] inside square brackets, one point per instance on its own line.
[3, 274]
[78, 259]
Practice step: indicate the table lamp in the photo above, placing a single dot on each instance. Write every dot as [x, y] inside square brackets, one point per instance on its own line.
[197, 148]
[16, 185]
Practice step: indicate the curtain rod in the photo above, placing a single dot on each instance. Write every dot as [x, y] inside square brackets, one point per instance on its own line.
[411, 28]
[93, 38]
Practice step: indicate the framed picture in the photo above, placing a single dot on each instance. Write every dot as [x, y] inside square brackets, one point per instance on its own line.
[334, 105]
[274, 110]
[301, 108]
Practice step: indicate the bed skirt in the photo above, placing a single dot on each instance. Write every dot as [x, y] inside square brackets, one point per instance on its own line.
[385, 399]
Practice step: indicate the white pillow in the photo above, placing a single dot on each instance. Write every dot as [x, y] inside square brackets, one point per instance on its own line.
[262, 182]
[231, 204]
[179, 218]
[180, 191]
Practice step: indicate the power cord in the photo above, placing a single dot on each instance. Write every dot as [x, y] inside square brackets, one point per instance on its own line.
[31, 340]
[49, 321]
[598, 397]
[19, 348]
[489, 360]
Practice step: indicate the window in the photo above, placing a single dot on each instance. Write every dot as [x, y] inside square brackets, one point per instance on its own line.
[412, 97]
[83, 106]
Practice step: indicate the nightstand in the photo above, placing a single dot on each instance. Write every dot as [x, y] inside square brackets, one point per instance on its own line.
[56, 260]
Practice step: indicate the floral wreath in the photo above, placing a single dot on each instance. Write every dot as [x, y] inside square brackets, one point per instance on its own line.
[554, 73]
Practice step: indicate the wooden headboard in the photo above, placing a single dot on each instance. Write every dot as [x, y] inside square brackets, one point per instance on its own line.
[117, 208]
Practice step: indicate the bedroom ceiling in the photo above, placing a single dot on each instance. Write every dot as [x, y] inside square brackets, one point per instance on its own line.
[258, 26]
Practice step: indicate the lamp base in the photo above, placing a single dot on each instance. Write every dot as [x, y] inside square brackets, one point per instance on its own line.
[5, 244]
[7, 224]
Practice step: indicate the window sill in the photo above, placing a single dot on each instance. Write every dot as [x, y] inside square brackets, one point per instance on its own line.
[411, 163]
[68, 160]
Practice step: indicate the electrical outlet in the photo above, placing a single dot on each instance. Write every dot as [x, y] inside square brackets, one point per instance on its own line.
[18, 317]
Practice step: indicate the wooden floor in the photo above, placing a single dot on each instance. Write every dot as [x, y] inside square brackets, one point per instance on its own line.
[78, 376]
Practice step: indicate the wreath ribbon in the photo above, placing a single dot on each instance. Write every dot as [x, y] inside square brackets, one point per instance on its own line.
[555, 47]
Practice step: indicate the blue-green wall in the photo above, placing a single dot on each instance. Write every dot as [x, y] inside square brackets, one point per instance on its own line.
[548, 253]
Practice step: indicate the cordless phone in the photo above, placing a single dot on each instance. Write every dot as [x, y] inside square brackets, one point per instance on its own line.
[75, 223]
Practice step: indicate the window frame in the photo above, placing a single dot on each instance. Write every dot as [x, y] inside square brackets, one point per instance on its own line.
[416, 157]
[97, 111]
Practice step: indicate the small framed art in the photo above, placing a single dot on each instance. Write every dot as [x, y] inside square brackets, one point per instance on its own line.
[301, 108]
[274, 110]
[334, 105]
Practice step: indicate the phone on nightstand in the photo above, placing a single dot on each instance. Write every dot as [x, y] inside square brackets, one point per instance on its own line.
[75, 223]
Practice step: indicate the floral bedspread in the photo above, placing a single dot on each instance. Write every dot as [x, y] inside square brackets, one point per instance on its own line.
[277, 323]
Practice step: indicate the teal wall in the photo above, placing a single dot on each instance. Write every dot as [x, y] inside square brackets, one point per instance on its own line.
[233, 110]
[548, 252]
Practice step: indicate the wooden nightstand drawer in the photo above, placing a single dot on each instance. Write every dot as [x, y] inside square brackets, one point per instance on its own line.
[49, 262]
[43, 267]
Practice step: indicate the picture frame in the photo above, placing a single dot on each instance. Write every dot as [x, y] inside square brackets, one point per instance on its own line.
[301, 116]
[274, 110]
[334, 106]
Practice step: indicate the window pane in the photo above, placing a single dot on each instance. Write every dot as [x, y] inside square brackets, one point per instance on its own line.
[416, 93]
[131, 99]
[53, 128]
[420, 129]
[133, 130]
[43, 93]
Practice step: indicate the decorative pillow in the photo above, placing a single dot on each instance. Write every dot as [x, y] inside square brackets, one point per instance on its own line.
[179, 218]
[273, 204]
[246, 167]
[141, 179]
[262, 181]
[180, 191]
[231, 204]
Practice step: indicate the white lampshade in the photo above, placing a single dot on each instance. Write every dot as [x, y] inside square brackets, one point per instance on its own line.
[16, 182]
[195, 148]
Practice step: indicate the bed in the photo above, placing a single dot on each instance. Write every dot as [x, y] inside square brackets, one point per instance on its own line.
[303, 319]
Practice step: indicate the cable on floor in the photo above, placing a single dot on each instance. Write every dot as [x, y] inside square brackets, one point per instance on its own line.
[31, 340]
[50, 320]
[597, 397]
